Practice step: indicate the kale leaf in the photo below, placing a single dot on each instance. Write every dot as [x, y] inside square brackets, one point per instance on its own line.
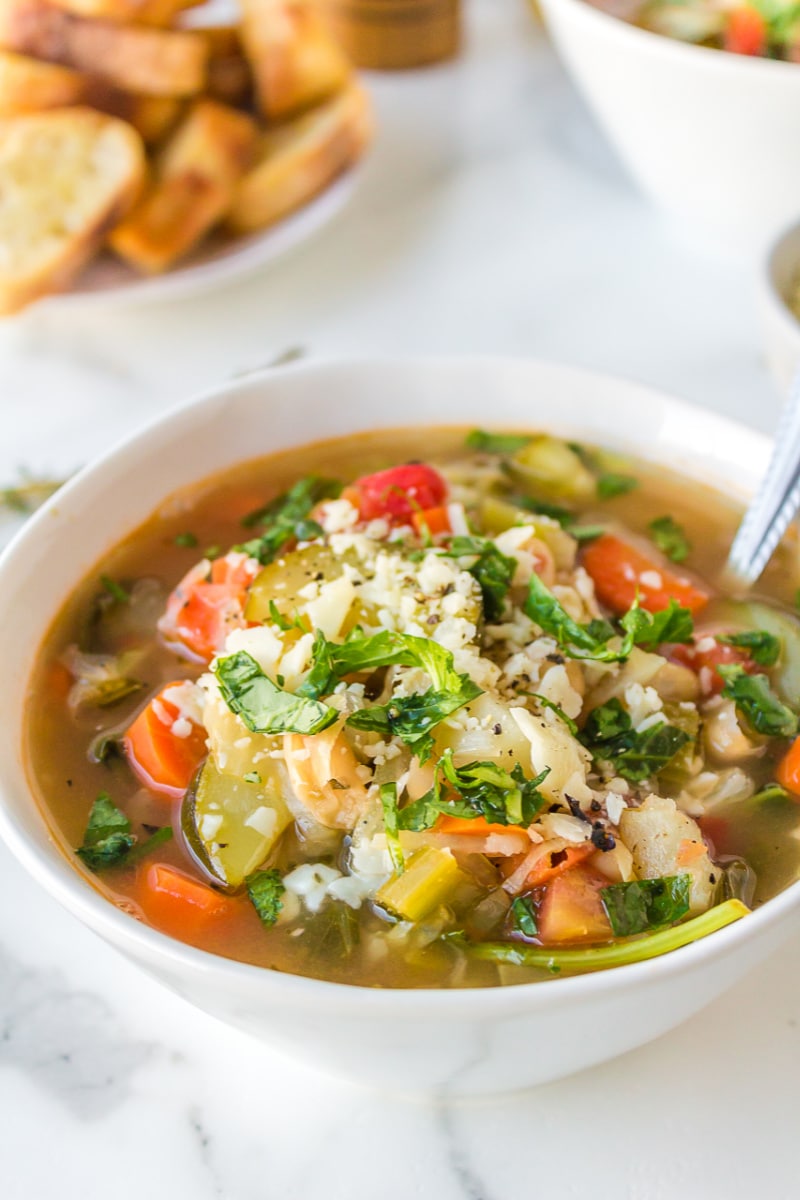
[636, 756]
[756, 701]
[478, 789]
[764, 648]
[388, 795]
[108, 837]
[286, 517]
[492, 569]
[262, 705]
[645, 904]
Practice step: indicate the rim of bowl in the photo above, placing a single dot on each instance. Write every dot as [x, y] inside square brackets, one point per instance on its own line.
[67, 885]
[664, 46]
[768, 278]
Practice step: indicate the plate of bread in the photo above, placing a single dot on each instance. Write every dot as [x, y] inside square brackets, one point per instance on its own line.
[142, 156]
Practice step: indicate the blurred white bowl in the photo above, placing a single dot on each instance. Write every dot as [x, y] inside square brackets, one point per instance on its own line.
[780, 328]
[710, 136]
[464, 1042]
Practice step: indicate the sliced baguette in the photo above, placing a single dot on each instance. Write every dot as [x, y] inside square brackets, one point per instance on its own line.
[300, 159]
[140, 12]
[65, 178]
[153, 117]
[28, 85]
[195, 180]
[294, 60]
[230, 79]
[134, 58]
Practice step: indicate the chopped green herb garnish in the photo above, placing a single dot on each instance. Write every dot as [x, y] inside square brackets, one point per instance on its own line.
[213, 551]
[523, 917]
[108, 837]
[756, 701]
[266, 889]
[156, 839]
[670, 624]
[492, 570]
[670, 537]
[558, 710]
[388, 795]
[764, 648]
[186, 539]
[286, 518]
[478, 789]
[496, 443]
[586, 533]
[286, 624]
[115, 590]
[262, 705]
[411, 718]
[251, 777]
[308, 531]
[544, 508]
[645, 904]
[579, 641]
[611, 484]
[636, 756]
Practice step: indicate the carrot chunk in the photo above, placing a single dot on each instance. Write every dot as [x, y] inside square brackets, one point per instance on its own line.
[431, 520]
[551, 865]
[788, 773]
[478, 826]
[163, 760]
[178, 904]
[621, 572]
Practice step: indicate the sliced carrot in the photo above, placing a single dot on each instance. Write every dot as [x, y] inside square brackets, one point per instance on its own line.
[163, 760]
[747, 32]
[621, 572]
[430, 521]
[208, 603]
[478, 826]
[551, 865]
[59, 681]
[178, 904]
[689, 850]
[788, 773]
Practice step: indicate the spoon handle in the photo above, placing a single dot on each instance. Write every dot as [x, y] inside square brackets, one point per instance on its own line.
[776, 501]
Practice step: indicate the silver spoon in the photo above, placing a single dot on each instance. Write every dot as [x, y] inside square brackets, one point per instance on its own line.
[775, 503]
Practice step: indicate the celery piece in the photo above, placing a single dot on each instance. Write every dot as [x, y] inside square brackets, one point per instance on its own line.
[619, 954]
[430, 875]
[548, 466]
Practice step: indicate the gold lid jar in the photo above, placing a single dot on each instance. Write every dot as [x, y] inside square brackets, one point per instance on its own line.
[393, 34]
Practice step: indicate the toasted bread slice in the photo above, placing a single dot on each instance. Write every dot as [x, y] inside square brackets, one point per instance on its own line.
[195, 180]
[294, 60]
[139, 12]
[230, 79]
[65, 178]
[300, 159]
[28, 85]
[157, 62]
[153, 117]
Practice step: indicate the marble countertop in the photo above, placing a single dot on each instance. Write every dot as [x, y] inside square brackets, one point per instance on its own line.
[491, 217]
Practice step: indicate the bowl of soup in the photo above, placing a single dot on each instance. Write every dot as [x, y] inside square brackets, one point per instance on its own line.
[703, 131]
[397, 713]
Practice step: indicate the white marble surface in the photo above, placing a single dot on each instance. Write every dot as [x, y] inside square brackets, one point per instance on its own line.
[491, 217]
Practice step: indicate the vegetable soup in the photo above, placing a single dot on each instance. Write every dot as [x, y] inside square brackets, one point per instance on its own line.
[757, 29]
[477, 720]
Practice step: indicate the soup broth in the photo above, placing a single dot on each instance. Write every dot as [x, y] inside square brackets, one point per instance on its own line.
[466, 722]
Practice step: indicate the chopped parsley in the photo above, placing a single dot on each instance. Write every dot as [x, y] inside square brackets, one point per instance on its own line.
[764, 648]
[492, 570]
[388, 795]
[185, 539]
[478, 789]
[671, 624]
[286, 518]
[645, 904]
[558, 710]
[523, 917]
[496, 443]
[262, 705]
[115, 590]
[636, 756]
[108, 841]
[670, 537]
[611, 484]
[756, 701]
[266, 889]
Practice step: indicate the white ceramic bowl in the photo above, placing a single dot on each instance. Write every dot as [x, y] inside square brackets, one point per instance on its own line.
[780, 328]
[455, 1042]
[708, 135]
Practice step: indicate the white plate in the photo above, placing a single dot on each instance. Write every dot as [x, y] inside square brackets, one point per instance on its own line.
[218, 261]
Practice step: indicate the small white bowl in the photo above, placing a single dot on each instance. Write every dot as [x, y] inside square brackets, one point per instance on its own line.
[780, 328]
[450, 1042]
[710, 136]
